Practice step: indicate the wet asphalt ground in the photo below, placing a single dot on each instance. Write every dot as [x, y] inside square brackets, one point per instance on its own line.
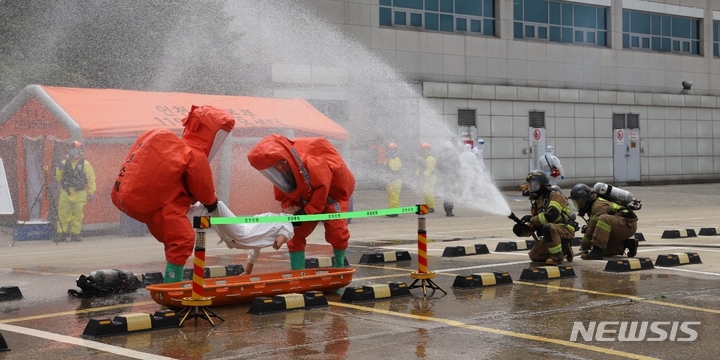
[524, 320]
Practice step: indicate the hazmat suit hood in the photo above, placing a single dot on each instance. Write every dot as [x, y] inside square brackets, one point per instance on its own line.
[206, 128]
[276, 159]
[550, 150]
[467, 148]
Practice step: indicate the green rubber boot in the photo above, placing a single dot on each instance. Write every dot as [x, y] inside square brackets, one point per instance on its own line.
[173, 273]
[339, 258]
[297, 260]
[340, 264]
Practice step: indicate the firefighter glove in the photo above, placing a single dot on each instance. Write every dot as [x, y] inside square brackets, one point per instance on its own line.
[299, 212]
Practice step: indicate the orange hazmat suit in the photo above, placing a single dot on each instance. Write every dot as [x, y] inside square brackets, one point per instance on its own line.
[311, 174]
[163, 175]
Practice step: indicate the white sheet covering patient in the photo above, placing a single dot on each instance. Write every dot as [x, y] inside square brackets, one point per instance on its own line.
[246, 236]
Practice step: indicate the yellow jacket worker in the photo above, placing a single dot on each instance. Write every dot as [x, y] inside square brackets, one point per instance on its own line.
[428, 179]
[77, 186]
[393, 164]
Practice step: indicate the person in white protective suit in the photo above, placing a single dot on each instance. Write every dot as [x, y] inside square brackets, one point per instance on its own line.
[468, 171]
[247, 236]
[479, 152]
[551, 166]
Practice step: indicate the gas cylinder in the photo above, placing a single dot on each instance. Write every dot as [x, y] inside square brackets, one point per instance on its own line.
[110, 278]
[613, 193]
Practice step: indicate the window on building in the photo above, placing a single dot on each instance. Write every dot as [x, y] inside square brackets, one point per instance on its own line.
[658, 32]
[466, 117]
[451, 16]
[626, 121]
[716, 38]
[560, 22]
[536, 118]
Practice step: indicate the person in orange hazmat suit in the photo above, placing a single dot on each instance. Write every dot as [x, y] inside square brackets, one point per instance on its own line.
[309, 177]
[163, 175]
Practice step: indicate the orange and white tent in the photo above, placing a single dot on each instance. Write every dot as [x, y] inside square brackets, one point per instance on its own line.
[34, 126]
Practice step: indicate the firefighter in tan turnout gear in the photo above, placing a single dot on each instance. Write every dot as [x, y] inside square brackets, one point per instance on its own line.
[610, 226]
[551, 217]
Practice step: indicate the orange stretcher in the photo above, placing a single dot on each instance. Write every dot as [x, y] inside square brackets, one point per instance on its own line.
[244, 288]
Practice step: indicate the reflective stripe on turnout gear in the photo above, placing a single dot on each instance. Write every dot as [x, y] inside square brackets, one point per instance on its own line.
[604, 226]
[555, 249]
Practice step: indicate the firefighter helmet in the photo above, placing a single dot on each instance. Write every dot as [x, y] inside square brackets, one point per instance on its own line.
[75, 150]
[538, 183]
[582, 196]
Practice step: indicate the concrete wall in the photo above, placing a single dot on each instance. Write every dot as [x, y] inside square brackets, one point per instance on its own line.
[679, 134]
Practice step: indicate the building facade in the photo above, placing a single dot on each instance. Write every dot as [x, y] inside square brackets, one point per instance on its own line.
[626, 91]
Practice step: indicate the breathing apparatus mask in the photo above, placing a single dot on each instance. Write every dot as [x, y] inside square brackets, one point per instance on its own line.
[281, 176]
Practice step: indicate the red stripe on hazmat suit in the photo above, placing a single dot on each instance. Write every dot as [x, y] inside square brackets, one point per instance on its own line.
[320, 182]
[163, 175]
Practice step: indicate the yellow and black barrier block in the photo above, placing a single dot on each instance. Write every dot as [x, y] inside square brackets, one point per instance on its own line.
[505, 246]
[121, 324]
[678, 259]
[3, 344]
[375, 292]
[10, 293]
[452, 251]
[630, 264]
[216, 271]
[481, 279]
[547, 272]
[382, 257]
[284, 302]
[709, 231]
[676, 234]
[323, 262]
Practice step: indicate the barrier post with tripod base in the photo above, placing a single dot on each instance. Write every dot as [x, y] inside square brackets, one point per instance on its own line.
[197, 305]
[423, 274]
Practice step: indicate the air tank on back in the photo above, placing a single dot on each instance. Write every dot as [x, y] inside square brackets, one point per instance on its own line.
[613, 193]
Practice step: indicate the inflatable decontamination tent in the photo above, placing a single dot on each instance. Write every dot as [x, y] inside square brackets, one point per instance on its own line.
[37, 124]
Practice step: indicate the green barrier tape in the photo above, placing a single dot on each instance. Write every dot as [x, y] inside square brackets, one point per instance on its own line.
[315, 217]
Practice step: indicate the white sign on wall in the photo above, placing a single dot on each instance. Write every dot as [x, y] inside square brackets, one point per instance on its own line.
[6, 206]
[537, 136]
[620, 137]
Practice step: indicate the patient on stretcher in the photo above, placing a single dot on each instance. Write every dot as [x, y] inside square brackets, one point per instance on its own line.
[246, 236]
